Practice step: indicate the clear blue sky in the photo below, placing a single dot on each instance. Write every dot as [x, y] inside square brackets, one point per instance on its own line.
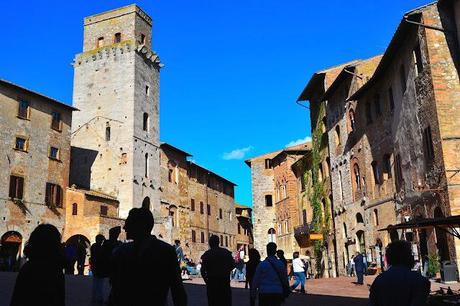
[233, 68]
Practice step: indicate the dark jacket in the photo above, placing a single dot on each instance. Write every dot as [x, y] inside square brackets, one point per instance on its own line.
[359, 263]
[144, 274]
[39, 283]
[251, 267]
[217, 263]
[399, 286]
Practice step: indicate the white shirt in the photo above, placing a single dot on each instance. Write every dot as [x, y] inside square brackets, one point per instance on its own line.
[298, 265]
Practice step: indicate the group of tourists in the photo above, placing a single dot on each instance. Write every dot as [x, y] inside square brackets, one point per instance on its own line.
[144, 270]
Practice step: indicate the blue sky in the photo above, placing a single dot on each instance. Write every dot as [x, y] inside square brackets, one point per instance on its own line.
[233, 69]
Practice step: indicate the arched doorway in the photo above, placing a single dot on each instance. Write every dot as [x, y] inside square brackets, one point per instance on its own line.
[76, 253]
[441, 238]
[146, 203]
[10, 251]
[379, 253]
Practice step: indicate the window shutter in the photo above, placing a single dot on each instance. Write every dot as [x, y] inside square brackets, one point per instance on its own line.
[58, 196]
[20, 187]
[48, 194]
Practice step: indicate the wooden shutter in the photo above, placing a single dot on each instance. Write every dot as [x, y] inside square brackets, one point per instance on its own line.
[20, 187]
[48, 194]
[12, 187]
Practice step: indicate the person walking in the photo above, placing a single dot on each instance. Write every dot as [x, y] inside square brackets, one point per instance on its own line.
[216, 265]
[298, 267]
[251, 266]
[41, 281]
[179, 251]
[146, 269]
[270, 281]
[351, 266]
[98, 269]
[359, 268]
[399, 286]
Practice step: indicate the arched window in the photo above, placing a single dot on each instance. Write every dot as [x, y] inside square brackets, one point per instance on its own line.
[146, 165]
[359, 218]
[352, 122]
[376, 217]
[145, 125]
[107, 133]
[74, 209]
[146, 203]
[271, 235]
[376, 172]
[361, 241]
[337, 135]
[117, 38]
[357, 176]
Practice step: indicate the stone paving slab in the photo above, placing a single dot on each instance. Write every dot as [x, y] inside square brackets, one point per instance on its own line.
[320, 292]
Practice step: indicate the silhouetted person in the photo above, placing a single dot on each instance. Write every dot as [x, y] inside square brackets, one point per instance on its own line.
[146, 269]
[360, 267]
[270, 280]
[399, 286]
[99, 268]
[40, 281]
[70, 253]
[81, 256]
[179, 251]
[280, 255]
[298, 269]
[217, 264]
[251, 266]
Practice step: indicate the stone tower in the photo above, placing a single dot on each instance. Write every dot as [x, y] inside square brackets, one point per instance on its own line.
[115, 137]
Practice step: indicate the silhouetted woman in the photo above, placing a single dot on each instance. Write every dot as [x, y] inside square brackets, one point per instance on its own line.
[40, 281]
[251, 265]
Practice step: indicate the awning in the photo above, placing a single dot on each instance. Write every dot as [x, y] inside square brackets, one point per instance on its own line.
[447, 224]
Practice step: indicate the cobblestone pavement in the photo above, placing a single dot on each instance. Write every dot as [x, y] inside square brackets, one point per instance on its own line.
[321, 292]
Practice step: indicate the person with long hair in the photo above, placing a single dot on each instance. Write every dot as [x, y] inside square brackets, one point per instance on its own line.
[40, 281]
[251, 266]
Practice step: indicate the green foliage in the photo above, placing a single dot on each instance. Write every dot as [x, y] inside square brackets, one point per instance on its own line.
[433, 265]
[317, 192]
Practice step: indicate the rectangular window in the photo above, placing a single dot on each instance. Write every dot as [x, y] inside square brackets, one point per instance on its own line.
[368, 113]
[53, 195]
[268, 200]
[428, 145]
[21, 144]
[402, 77]
[192, 204]
[268, 164]
[193, 236]
[54, 153]
[391, 99]
[226, 241]
[208, 208]
[74, 209]
[202, 237]
[104, 210]
[107, 133]
[418, 64]
[220, 213]
[201, 208]
[117, 38]
[100, 42]
[23, 110]
[378, 110]
[142, 39]
[56, 121]
[16, 187]
[147, 90]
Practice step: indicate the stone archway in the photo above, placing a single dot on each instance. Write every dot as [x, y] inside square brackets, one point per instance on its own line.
[10, 250]
[76, 252]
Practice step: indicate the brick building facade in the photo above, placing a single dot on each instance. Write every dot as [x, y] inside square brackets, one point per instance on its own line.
[35, 158]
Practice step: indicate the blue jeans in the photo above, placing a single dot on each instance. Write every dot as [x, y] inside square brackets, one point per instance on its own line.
[299, 279]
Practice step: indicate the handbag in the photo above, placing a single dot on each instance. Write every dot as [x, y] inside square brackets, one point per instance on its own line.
[284, 285]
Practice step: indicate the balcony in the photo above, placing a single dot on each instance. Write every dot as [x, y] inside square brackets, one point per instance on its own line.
[302, 234]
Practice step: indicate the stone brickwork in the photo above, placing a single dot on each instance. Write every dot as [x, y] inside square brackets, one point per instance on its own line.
[32, 162]
[116, 84]
[262, 184]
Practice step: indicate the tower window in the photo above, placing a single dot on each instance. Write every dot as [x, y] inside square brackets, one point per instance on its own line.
[104, 210]
[220, 213]
[117, 38]
[107, 133]
[418, 64]
[142, 39]
[387, 166]
[201, 208]
[54, 153]
[146, 165]
[202, 237]
[145, 125]
[268, 163]
[193, 236]
[21, 144]
[192, 204]
[337, 136]
[74, 209]
[147, 90]
[208, 208]
[268, 200]
[53, 195]
[100, 42]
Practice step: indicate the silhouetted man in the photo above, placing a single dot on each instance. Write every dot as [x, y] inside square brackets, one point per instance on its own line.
[81, 256]
[399, 286]
[359, 267]
[217, 264]
[146, 269]
[98, 269]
